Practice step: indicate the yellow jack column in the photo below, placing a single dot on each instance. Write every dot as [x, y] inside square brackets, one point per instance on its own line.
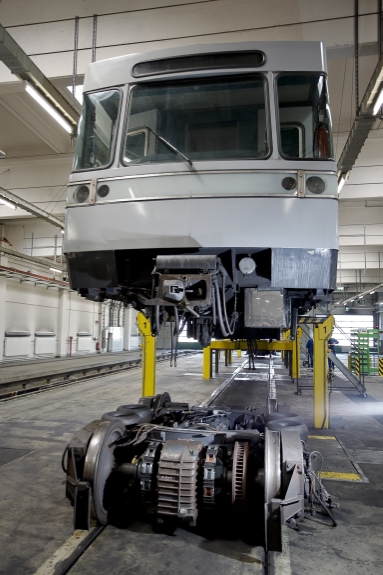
[148, 356]
[322, 333]
[206, 363]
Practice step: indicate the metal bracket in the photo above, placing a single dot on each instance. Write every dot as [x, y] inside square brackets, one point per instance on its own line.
[301, 185]
[93, 189]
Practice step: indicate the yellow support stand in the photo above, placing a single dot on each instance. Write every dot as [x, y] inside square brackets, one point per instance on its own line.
[206, 363]
[322, 333]
[148, 356]
[239, 353]
[239, 345]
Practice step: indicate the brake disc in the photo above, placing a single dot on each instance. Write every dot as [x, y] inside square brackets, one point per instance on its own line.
[99, 463]
[239, 481]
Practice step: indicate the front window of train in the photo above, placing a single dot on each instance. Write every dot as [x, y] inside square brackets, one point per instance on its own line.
[304, 116]
[204, 119]
[97, 130]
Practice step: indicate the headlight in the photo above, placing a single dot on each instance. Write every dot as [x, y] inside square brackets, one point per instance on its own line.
[81, 194]
[315, 185]
[289, 183]
[103, 191]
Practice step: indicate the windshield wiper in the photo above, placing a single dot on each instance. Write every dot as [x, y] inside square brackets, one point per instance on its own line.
[171, 147]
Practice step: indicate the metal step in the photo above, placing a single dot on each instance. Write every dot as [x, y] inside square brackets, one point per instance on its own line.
[352, 378]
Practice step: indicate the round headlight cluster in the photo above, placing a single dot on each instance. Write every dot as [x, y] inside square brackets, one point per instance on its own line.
[315, 185]
[289, 183]
[103, 191]
[81, 194]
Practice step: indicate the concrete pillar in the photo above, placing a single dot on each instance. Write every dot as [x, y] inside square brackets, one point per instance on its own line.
[3, 295]
[63, 324]
[128, 328]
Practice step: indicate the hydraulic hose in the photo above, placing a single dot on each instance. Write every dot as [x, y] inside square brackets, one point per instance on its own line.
[231, 331]
[219, 310]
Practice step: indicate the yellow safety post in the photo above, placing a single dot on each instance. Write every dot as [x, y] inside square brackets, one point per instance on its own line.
[380, 366]
[239, 353]
[206, 363]
[296, 355]
[322, 332]
[148, 356]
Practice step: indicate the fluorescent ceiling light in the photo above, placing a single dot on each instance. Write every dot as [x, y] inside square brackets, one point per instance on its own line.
[62, 231]
[8, 204]
[56, 270]
[378, 103]
[77, 92]
[371, 292]
[360, 297]
[32, 92]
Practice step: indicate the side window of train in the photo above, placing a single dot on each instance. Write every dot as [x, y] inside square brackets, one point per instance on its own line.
[292, 139]
[97, 130]
[304, 116]
[136, 144]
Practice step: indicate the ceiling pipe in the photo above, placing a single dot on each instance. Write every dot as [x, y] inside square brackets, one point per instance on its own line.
[31, 208]
[32, 259]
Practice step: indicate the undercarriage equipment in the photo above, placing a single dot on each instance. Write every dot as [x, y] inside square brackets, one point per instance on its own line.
[185, 464]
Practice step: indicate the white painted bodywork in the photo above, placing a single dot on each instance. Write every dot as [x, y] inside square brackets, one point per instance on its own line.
[204, 222]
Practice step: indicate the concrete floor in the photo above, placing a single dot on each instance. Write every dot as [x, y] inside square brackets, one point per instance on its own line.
[36, 518]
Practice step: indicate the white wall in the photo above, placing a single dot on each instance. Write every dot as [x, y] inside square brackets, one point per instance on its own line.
[32, 308]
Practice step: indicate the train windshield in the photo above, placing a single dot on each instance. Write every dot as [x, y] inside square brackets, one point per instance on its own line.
[204, 119]
[97, 130]
[304, 116]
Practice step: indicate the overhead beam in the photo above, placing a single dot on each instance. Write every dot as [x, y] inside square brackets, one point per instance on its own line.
[362, 123]
[31, 259]
[31, 208]
[20, 64]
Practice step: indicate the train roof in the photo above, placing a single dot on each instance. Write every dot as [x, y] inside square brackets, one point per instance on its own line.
[278, 57]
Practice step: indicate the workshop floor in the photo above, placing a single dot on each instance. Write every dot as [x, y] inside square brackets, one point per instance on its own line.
[36, 519]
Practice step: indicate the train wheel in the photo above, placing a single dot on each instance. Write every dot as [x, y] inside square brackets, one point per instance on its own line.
[273, 481]
[99, 463]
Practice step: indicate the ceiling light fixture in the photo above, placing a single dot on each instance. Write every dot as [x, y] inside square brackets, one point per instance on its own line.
[8, 204]
[378, 103]
[371, 292]
[56, 270]
[44, 104]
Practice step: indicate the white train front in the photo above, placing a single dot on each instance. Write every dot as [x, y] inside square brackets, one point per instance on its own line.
[204, 186]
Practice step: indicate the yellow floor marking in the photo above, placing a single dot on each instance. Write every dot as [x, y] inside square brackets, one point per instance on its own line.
[338, 475]
[322, 437]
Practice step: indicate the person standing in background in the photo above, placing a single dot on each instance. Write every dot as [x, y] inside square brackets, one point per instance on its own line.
[310, 351]
[331, 346]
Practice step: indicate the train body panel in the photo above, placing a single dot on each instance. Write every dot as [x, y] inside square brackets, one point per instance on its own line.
[203, 223]
[201, 172]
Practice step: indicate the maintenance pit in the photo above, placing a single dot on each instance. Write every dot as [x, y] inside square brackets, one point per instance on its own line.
[37, 519]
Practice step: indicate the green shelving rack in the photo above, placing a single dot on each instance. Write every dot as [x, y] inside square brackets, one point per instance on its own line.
[364, 351]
